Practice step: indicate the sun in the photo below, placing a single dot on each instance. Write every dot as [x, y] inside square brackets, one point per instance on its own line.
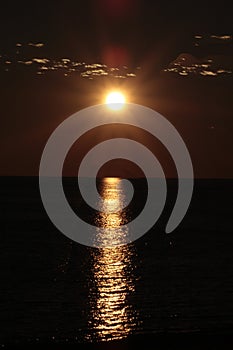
[115, 100]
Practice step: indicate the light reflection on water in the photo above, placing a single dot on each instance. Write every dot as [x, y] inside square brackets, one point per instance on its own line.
[111, 313]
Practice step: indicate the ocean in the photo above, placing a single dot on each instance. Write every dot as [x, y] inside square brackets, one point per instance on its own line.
[176, 286]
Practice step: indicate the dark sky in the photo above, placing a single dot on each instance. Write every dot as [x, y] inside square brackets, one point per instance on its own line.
[89, 25]
[136, 32]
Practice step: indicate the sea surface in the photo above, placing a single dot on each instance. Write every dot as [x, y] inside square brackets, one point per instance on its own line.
[56, 291]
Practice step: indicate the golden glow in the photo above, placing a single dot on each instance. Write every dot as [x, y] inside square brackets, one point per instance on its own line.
[111, 217]
[115, 100]
[112, 316]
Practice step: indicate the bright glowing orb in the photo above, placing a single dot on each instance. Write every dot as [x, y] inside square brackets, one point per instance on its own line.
[115, 100]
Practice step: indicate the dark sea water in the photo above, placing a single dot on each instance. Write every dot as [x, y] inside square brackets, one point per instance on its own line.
[56, 291]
